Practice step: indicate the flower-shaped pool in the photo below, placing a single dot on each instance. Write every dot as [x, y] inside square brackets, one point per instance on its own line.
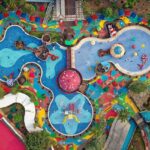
[70, 117]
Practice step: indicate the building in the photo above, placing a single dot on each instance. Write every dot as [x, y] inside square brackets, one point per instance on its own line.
[67, 10]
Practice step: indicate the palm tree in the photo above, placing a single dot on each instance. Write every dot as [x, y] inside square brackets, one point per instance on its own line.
[98, 140]
[11, 4]
[39, 141]
[29, 8]
[123, 115]
[138, 86]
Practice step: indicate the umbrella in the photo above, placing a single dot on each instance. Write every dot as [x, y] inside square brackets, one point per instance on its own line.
[94, 17]
[89, 19]
[5, 14]
[133, 15]
[18, 12]
[32, 18]
[42, 8]
[121, 12]
[1, 16]
[102, 23]
[23, 15]
[38, 19]
[127, 12]
[101, 17]
[140, 19]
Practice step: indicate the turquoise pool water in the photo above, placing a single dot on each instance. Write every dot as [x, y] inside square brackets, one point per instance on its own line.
[136, 36]
[8, 57]
[60, 110]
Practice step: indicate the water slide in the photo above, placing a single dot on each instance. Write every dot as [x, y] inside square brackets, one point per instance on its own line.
[29, 107]
[128, 133]
[49, 11]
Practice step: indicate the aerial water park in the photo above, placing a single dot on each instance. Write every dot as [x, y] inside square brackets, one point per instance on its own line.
[74, 75]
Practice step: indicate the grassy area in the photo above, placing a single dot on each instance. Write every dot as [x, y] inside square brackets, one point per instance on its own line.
[2, 93]
[107, 6]
[55, 36]
[137, 142]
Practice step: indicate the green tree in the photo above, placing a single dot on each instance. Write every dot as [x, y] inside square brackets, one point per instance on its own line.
[18, 118]
[11, 4]
[2, 93]
[38, 141]
[137, 86]
[1, 8]
[29, 8]
[108, 12]
[123, 115]
[14, 89]
[98, 140]
[130, 3]
[20, 3]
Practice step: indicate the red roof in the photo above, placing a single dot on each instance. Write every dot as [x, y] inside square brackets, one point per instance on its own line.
[8, 140]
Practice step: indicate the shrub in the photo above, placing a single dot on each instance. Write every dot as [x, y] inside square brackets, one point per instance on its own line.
[30, 94]
[14, 90]
[2, 93]
[18, 118]
[38, 141]
[137, 86]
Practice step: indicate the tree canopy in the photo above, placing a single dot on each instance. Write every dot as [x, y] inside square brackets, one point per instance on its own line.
[137, 86]
[123, 115]
[38, 141]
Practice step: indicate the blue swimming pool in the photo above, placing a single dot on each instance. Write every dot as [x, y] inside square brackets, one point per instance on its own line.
[70, 117]
[135, 39]
[12, 60]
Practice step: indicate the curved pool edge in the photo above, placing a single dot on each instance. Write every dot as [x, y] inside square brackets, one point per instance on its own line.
[121, 69]
[129, 73]
[5, 31]
[92, 108]
[88, 39]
